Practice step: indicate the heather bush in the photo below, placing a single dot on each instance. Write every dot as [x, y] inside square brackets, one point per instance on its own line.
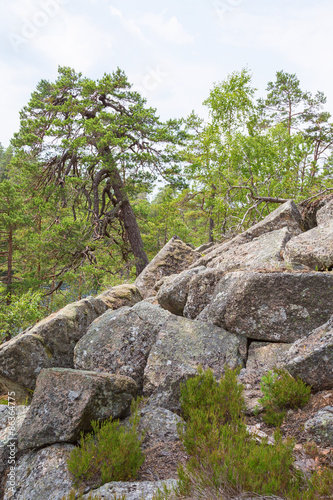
[282, 391]
[112, 452]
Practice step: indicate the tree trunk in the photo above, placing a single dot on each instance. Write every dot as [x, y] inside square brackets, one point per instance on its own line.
[128, 218]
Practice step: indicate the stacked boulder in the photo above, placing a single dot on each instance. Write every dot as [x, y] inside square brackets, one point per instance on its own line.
[261, 299]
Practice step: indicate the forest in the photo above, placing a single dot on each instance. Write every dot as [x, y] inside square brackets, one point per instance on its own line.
[94, 184]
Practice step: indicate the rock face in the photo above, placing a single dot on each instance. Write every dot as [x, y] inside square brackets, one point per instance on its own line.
[66, 401]
[278, 307]
[313, 248]
[311, 358]
[181, 346]
[320, 426]
[120, 341]
[174, 257]
[41, 474]
[159, 425]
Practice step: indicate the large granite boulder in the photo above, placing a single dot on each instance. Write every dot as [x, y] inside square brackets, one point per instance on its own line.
[320, 426]
[285, 216]
[278, 307]
[120, 296]
[21, 360]
[66, 401]
[135, 490]
[50, 343]
[41, 475]
[311, 358]
[174, 257]
[325, 213]
[172, 295]
[314, 248]
[181, 346]
[120, 341]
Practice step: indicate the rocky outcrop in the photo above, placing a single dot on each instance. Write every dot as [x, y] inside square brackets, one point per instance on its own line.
[278, 307]
[41, 474]
[174, 257]
[311, 358]
[181, 346]
[66, 401]
[313, 248]
[119, 342]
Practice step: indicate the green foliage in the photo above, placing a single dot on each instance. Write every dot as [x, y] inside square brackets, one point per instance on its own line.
[224, 459]
[112, 452]
[23, 311]
[282, 391]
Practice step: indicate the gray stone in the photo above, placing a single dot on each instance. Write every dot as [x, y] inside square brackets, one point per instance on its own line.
[205, 246]
[160, 426]
[278, 307]
[119, 342]
[285, 216]
[201, 290]
[181, 346]
[120, 296]
[311, 358]
[172, 295]
[11, 419]
[174, 257]
[320, 426]
[136, 490]
[314, 248]
[42, 475]
[325, 213]
[66, 401]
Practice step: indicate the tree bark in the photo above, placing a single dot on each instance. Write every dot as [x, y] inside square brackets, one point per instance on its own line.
[128, 218]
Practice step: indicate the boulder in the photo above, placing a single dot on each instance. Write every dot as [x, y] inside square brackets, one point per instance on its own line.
[131, 490]
[205, 246]
[325, 213]
[21, 360]
[172, 295]
[119, 341]
[41, 474]
[66, 401]
[181, 346]
[320, 426]
[120, 296]
[314, 248]
[278, 307]
[174, 257]
[311, 358]
[200, 291]
[285, 216]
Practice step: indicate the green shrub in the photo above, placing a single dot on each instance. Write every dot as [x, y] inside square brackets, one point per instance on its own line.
[224, 459]
[112, 452]
[281, 391]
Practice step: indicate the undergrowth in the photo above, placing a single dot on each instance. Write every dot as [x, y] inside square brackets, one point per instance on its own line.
[281, 391]
[225, 461]
[111, 452]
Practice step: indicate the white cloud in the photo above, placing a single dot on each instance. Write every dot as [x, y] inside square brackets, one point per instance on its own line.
[129, 24]
[171, 30]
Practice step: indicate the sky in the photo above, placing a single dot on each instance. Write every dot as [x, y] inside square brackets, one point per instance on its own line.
[172, 52]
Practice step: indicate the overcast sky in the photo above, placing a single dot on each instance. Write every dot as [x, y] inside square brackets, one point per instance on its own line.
[171, 51]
